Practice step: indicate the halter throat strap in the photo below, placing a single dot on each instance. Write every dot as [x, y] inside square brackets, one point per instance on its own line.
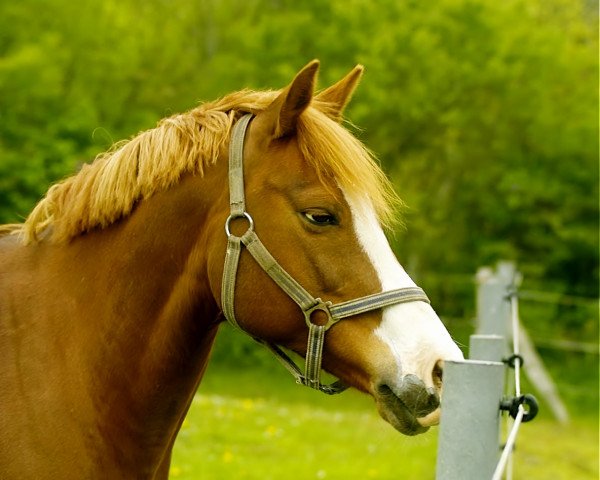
[307, 303]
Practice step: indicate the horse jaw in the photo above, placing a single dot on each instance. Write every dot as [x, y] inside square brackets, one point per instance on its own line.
[415, 343]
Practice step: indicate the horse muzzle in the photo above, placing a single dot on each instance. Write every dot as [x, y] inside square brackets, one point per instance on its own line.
[410, 407]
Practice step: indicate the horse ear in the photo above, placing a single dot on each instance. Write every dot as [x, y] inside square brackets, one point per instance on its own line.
[292, 101]
[339, 94]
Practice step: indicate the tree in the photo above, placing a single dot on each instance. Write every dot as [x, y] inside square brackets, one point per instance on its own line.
[484, 113]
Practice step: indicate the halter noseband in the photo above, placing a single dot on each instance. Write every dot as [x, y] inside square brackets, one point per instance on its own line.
[307, 303]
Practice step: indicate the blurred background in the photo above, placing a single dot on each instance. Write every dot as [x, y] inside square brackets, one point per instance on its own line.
[484, 114]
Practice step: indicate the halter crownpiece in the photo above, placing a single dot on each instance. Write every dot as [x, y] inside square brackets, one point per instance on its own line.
[307, 303]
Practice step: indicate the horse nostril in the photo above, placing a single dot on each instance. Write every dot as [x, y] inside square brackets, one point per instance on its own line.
[438, 374]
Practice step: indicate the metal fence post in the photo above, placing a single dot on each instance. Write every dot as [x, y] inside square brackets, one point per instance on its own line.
[491, 348]
[493, 312]
[468, 438]
[468, 445]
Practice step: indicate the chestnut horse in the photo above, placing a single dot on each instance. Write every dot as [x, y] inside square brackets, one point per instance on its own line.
[112, 291]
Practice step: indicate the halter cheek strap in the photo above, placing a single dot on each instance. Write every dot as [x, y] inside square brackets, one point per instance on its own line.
[307, 303]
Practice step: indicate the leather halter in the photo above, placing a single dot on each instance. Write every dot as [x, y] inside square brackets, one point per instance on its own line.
[307, 303]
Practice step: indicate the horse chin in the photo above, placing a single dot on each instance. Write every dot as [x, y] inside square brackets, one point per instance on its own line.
[394, 411]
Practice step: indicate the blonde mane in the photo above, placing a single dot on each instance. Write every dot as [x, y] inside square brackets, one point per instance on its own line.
[108, 189]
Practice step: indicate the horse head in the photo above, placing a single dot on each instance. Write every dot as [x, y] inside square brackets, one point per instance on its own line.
[315, 201]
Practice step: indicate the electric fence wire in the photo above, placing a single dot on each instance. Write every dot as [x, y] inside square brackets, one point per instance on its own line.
[512, 436]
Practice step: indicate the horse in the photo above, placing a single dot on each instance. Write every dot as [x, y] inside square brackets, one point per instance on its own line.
[259, 208]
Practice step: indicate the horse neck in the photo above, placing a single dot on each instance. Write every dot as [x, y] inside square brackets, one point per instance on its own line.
[152, 317]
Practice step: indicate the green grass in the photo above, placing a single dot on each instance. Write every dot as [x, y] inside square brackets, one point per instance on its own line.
[257, 424]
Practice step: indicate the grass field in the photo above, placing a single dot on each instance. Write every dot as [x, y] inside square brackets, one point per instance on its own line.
[257, 424]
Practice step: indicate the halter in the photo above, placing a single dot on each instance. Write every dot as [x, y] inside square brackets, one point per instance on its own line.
[307, 303]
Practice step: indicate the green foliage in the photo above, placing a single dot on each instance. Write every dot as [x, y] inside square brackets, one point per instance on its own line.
[484, 113]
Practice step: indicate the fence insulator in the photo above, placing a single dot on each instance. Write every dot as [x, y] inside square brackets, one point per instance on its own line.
[530, 406]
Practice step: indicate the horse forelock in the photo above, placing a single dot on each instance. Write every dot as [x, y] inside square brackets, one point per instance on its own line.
[154, 160]
[335, 152]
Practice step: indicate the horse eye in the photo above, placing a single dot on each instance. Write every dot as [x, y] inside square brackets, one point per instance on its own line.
[321, 218]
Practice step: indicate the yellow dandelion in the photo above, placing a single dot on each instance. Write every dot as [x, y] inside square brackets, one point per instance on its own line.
[175, 471]
[271, 431]
[227, 456]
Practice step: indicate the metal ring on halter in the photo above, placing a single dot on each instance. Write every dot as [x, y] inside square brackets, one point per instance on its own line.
[231, 217]
[323, 307]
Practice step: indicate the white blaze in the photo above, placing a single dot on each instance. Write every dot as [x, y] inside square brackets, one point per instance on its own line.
[413, 331]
